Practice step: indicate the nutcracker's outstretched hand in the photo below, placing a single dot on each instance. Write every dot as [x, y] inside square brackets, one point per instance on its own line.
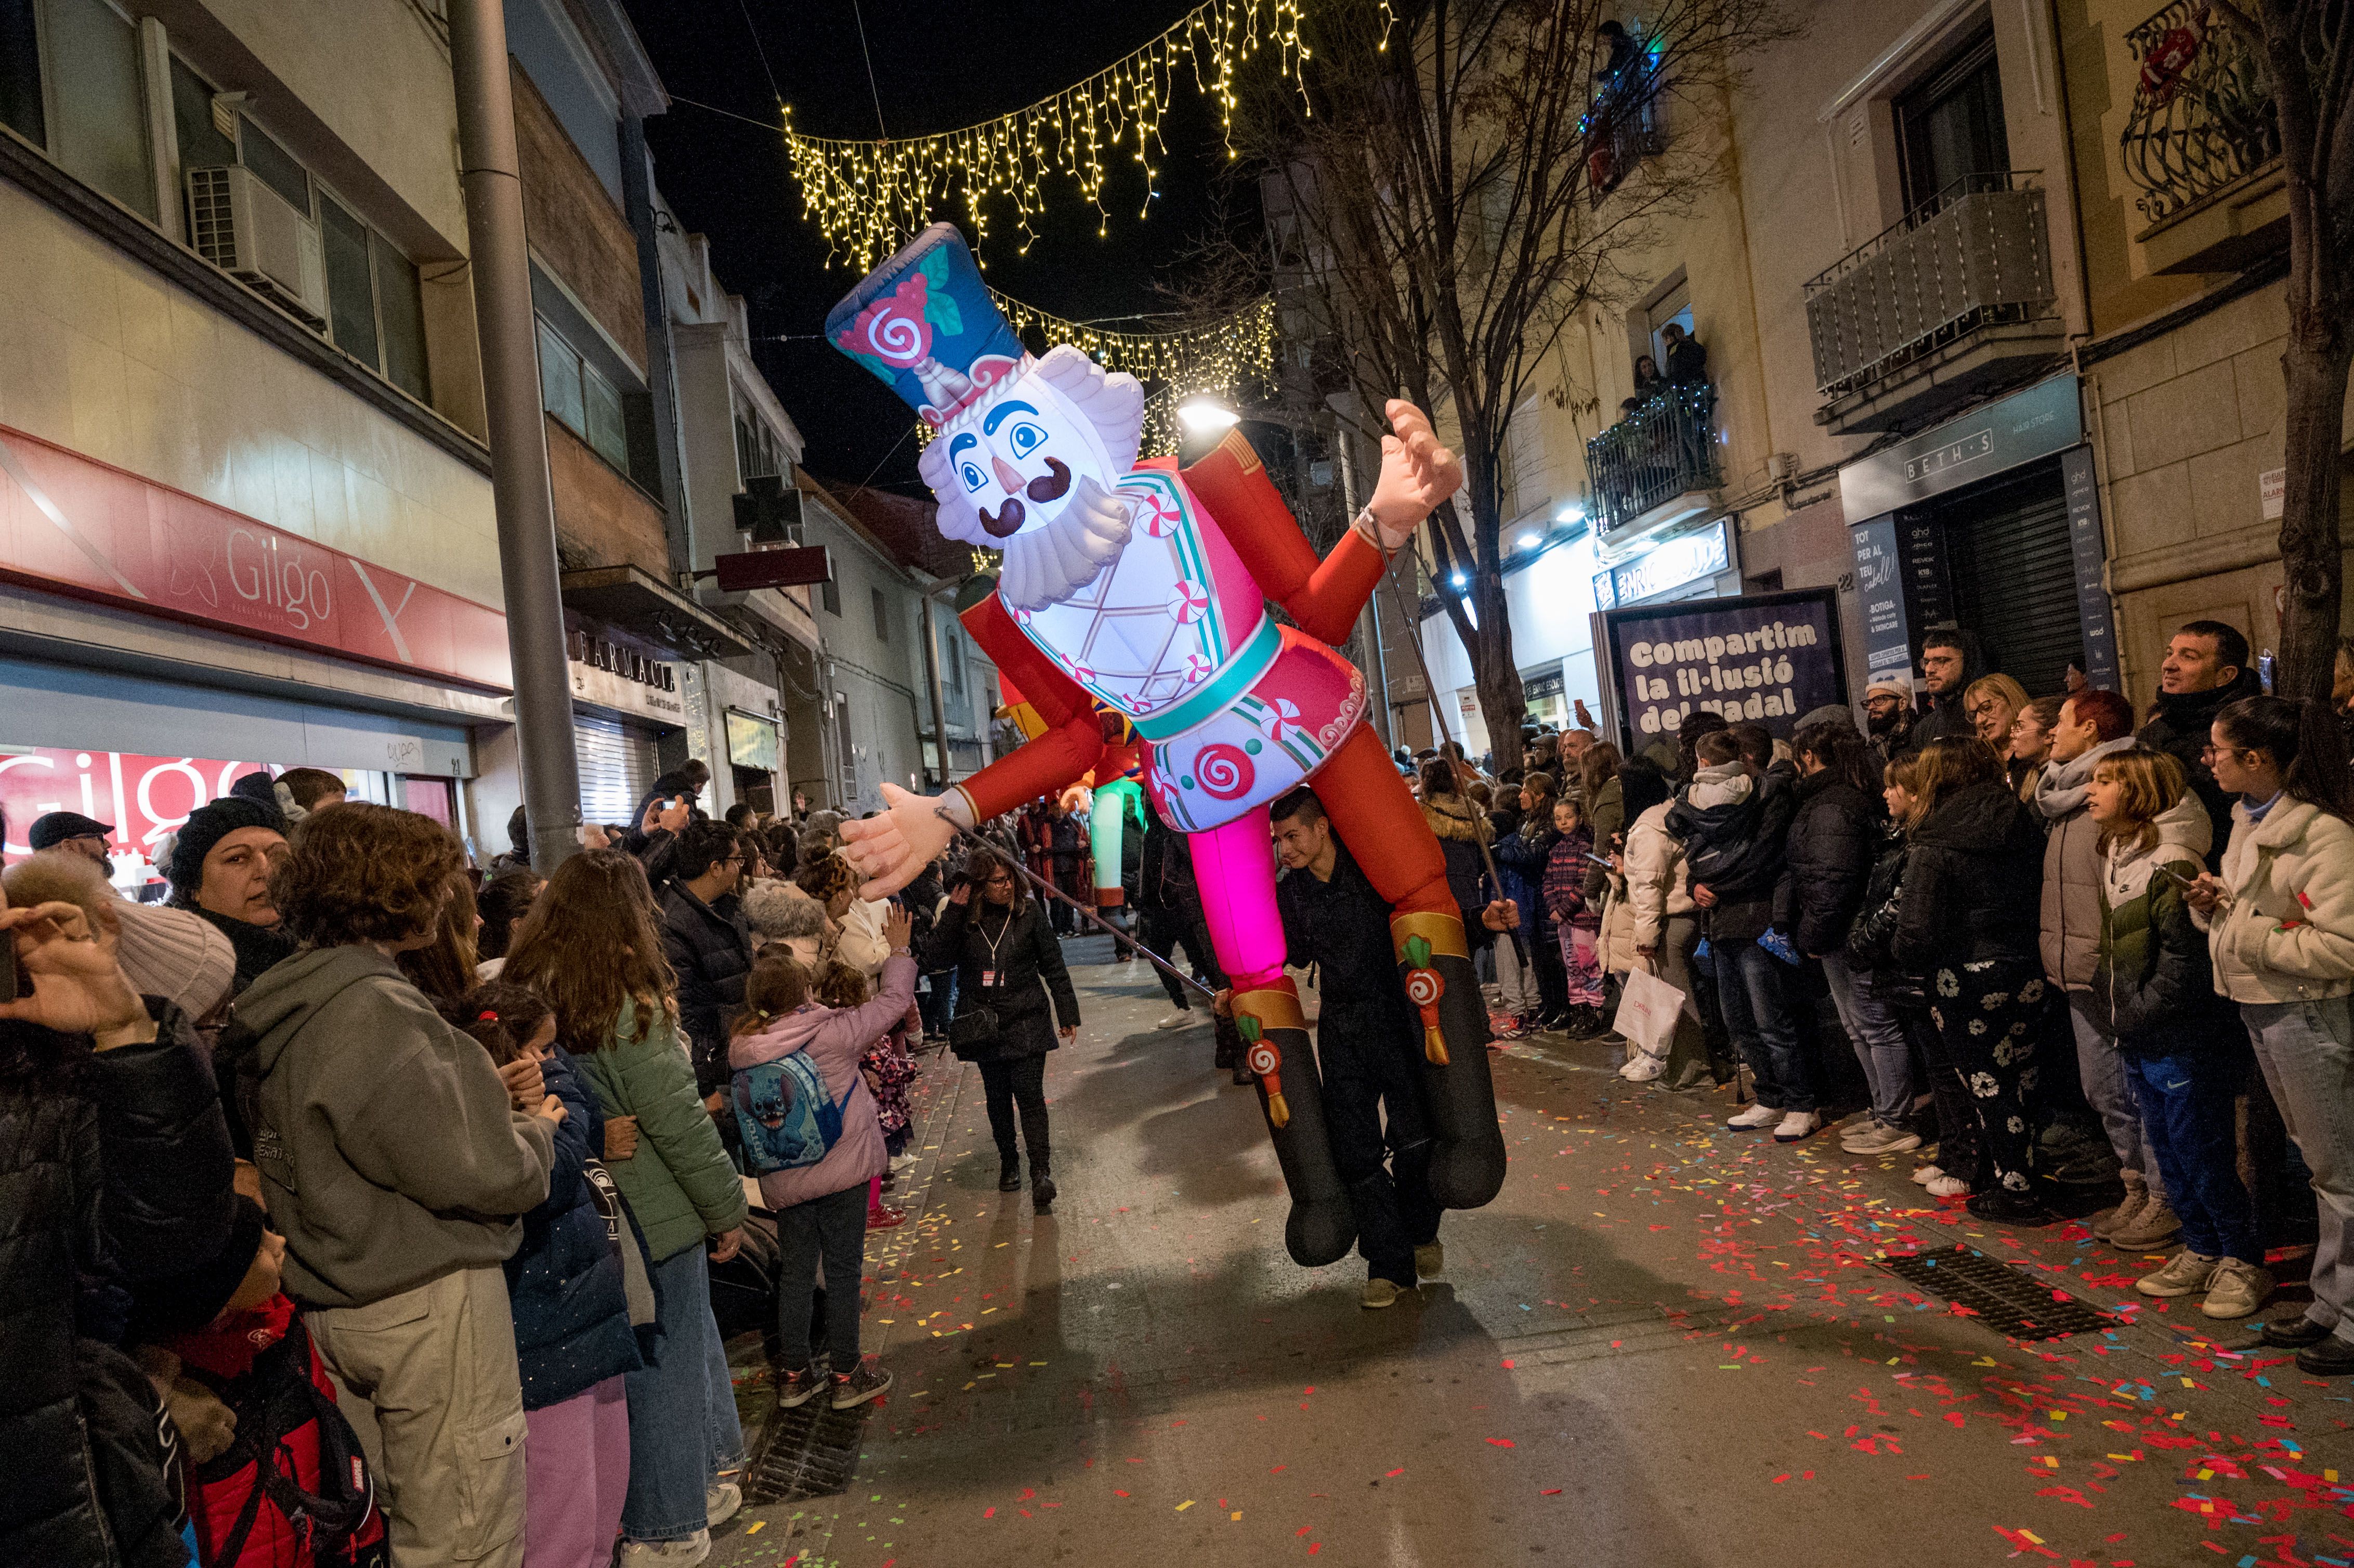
[1417, 473]
[889, 850]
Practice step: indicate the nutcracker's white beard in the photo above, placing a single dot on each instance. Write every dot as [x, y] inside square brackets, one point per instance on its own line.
[1047, 565]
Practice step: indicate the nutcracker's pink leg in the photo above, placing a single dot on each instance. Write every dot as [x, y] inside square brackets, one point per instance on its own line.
[1235, 867]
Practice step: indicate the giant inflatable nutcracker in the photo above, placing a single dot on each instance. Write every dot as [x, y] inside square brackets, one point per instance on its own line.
[1146, 589]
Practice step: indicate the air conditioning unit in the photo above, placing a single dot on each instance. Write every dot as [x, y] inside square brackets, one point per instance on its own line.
[250, 231]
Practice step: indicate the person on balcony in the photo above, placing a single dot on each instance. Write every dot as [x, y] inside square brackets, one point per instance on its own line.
[1686, 356]
[1648, 382]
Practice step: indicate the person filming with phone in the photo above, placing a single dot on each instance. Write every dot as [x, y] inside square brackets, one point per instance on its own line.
[114, 1170]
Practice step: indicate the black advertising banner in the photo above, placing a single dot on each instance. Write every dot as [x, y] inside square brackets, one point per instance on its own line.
[1766, 658]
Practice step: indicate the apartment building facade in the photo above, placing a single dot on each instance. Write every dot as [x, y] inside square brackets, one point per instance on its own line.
[244, 504]
[1985, 347]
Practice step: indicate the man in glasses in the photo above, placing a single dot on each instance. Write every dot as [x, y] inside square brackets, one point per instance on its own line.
[707, 942]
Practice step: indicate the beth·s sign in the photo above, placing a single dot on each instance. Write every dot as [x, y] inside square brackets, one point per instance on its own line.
[1766, 658]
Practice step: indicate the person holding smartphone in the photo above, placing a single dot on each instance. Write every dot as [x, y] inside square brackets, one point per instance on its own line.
[2153, 992]
[114, 1167]
[1009, 965]
[2280, 927]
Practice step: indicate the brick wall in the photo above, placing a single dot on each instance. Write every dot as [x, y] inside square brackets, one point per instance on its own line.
[576, 230]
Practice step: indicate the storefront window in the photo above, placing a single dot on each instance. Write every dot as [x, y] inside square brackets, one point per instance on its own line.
[142, 798]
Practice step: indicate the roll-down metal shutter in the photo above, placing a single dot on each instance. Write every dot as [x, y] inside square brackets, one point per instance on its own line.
[616, 765]
[2014, 578]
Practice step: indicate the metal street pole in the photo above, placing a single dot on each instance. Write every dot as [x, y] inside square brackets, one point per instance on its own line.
[521, 492]
[932, 682]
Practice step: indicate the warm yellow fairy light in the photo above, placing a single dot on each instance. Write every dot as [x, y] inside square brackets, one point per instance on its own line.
[1216, 360]
[870, 197]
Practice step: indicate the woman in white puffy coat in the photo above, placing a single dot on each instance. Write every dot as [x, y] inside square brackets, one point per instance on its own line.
[1659, 928]
[2280, 924]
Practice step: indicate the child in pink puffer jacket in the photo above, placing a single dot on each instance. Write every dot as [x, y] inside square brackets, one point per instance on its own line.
[822, 1208]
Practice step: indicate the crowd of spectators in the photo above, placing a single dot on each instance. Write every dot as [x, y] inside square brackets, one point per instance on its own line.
[2075, 957]
[366, 1207]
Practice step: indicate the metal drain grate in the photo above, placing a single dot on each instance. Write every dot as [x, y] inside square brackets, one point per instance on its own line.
[811, 1452]
[2008, 1300]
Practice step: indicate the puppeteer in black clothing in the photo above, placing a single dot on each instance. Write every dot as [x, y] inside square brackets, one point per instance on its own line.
[1367, 1037]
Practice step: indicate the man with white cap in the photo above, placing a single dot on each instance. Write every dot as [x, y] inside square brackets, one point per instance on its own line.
[1888, 711]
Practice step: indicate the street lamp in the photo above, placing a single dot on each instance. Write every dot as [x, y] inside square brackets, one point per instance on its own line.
[1205, 416]
[1531, 540]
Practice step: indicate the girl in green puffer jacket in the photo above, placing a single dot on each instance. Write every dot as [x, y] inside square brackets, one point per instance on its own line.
[592, 948]
[2153, 992]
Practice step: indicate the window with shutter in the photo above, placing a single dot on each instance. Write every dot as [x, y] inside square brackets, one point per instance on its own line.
[2014, 578]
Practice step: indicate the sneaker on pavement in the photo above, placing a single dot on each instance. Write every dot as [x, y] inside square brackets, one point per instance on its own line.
[2152, 1228]
[720, 1501]
[853, 1389]
[1177, 1020]
[1943, 1186]
[666, 1553]
[2122, 1217]
[1430, 1260]
[1755, 1116]
[1381, 1293]
[799, 1386]
[2236, 1289]
[1880, 1139]
[2184, 1274]
[882, 1216]
[1924, 1174]
[1797, 1124]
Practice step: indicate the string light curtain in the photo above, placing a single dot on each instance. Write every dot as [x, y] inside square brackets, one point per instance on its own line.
[870, 197]
[1219, 360]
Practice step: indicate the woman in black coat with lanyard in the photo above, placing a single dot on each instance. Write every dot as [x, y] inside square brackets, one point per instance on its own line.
[1007, 961]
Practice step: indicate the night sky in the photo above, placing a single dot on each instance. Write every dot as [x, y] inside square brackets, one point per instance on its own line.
[940, 65]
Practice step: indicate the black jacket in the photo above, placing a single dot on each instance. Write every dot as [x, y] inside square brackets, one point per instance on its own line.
[1164, 872]
[1735, 851]
[1342, 926]
[1828, 855]
[2179, 725]
[1871, 938]
[1973, 883]
[1943, 719]
[668, 784]
[712, 954]
[114, 1170]
[1023, 949]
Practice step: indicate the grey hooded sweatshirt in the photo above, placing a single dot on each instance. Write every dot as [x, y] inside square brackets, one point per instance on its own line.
[388, 1154]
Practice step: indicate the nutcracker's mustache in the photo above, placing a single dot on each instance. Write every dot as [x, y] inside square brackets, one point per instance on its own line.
[1051, 485]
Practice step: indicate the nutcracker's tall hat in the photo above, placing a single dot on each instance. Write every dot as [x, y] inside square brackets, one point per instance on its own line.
[924, 322]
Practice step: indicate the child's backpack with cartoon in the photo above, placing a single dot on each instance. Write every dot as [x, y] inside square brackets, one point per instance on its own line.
[787, 1120]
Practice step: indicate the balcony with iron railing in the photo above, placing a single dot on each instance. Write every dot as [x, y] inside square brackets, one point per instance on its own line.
[2202, 143]
[1952, 300]
[1656, 466]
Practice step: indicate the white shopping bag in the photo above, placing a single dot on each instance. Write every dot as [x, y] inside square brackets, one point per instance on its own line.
[1648, 1009]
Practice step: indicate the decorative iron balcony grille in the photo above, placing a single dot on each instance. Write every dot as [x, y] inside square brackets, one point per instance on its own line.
[2202, 114]
[1976, 254]
[1666, 447]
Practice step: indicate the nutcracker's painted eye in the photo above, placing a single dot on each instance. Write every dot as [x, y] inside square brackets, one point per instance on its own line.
[968, 471]
[1026, 438]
